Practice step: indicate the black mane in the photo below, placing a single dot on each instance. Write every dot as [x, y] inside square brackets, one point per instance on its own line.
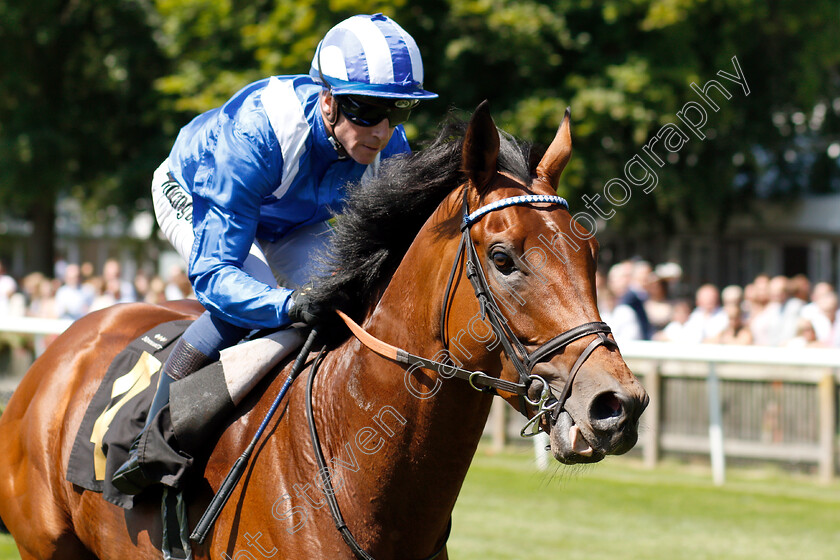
[383, 215]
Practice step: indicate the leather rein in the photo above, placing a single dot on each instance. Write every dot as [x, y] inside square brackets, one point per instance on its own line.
[546, 405]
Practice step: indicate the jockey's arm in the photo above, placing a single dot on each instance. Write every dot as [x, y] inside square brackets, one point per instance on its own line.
[229, 188]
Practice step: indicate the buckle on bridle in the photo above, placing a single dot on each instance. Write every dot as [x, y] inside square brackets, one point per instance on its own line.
[545, 404]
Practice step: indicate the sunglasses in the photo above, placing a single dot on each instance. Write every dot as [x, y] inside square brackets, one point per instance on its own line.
[370, 111]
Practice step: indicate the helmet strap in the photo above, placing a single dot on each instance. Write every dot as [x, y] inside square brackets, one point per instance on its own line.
[331, 120]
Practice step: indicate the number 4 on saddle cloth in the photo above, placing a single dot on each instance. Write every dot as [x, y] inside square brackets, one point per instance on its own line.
[199, 405]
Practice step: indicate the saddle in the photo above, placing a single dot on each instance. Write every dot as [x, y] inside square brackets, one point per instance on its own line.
[199, 405]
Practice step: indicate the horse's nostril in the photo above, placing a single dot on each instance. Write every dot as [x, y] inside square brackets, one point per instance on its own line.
[606, 411]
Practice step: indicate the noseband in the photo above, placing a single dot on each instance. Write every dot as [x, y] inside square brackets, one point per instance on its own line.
[523, 361]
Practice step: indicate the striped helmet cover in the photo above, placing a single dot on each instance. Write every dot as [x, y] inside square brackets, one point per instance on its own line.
[370, 55]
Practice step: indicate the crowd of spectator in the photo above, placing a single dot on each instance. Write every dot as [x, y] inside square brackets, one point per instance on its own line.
[76, 289]
[635, 299]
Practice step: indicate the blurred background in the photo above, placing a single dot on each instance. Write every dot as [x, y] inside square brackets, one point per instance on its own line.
[94, 93]
[718, 277]
[726, 229]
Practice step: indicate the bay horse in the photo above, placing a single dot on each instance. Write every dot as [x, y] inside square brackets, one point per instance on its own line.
[398, 441]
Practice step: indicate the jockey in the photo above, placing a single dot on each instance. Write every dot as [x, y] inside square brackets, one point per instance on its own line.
[247, 188]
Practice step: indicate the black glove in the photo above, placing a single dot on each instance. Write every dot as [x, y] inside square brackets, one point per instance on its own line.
[304, 309]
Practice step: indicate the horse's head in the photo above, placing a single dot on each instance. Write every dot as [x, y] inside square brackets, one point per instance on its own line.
[539, 267]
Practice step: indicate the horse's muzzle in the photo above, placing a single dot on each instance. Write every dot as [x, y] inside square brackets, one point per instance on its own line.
[592, 426]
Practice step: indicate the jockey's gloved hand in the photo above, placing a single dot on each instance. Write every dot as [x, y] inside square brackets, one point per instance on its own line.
[302, 309]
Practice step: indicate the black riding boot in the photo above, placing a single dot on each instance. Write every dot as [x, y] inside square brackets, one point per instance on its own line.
[184, 360]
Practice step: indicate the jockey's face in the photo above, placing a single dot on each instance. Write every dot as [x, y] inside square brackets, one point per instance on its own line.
[362, 143]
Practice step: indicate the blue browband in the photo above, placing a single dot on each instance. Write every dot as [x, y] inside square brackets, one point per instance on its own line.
[512, 201]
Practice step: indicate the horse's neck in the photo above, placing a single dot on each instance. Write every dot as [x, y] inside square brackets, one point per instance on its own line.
[417, 432]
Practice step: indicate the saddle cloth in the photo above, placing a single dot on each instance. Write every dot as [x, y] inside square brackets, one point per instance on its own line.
[117, 412]
[199, 405]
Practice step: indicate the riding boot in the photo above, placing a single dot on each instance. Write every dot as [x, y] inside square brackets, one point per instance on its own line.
[184, 359]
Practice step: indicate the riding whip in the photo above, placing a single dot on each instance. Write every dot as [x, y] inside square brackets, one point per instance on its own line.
[219, 500]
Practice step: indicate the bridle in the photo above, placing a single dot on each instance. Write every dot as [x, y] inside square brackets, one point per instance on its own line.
[523, 361]
[546, 405]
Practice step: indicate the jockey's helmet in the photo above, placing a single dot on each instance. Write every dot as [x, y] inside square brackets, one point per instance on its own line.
[371, 56]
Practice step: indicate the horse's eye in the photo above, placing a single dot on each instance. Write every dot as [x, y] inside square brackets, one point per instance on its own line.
[502, 261]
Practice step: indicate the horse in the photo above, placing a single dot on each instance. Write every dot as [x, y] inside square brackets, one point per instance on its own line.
[398, 440]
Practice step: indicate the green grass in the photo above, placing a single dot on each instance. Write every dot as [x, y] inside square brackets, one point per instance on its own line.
[8, 550]
[619, 510]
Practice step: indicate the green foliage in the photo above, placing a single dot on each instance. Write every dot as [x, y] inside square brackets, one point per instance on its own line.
[78, 111]
[219, 46]
[625, 69]
[95, 92]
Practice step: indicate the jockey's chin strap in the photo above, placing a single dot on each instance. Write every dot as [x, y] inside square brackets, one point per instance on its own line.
[546, 404]
[332, 120]
[330, 123]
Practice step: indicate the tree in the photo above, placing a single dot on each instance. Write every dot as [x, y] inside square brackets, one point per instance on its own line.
[626, 69]
[78, 111]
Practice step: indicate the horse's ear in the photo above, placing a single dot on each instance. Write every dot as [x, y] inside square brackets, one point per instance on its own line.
[557, 155]
[481, 148]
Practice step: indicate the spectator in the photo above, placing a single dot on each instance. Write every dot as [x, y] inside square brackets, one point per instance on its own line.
[640, 278]
[108, 293]
[799, 288]
[42, 296]
[604, 297]
[41, 291]
[59, 266]
[30, 286]
[141, 285]
[778, 296]
[87, 272]
[178, 286]
[120, 290]
[8, 286]
[157, 291]
[72, 299]
[658, 306]
[761, 286]
[674, 331]
[823, 321]
[671, 272]
[733, 295]
[805, 335]
[735, 331]
[708, 319]
[629, 320]
[811, 309]
[762, 322]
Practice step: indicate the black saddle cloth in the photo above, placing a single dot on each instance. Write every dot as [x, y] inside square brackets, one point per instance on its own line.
[117, 414]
